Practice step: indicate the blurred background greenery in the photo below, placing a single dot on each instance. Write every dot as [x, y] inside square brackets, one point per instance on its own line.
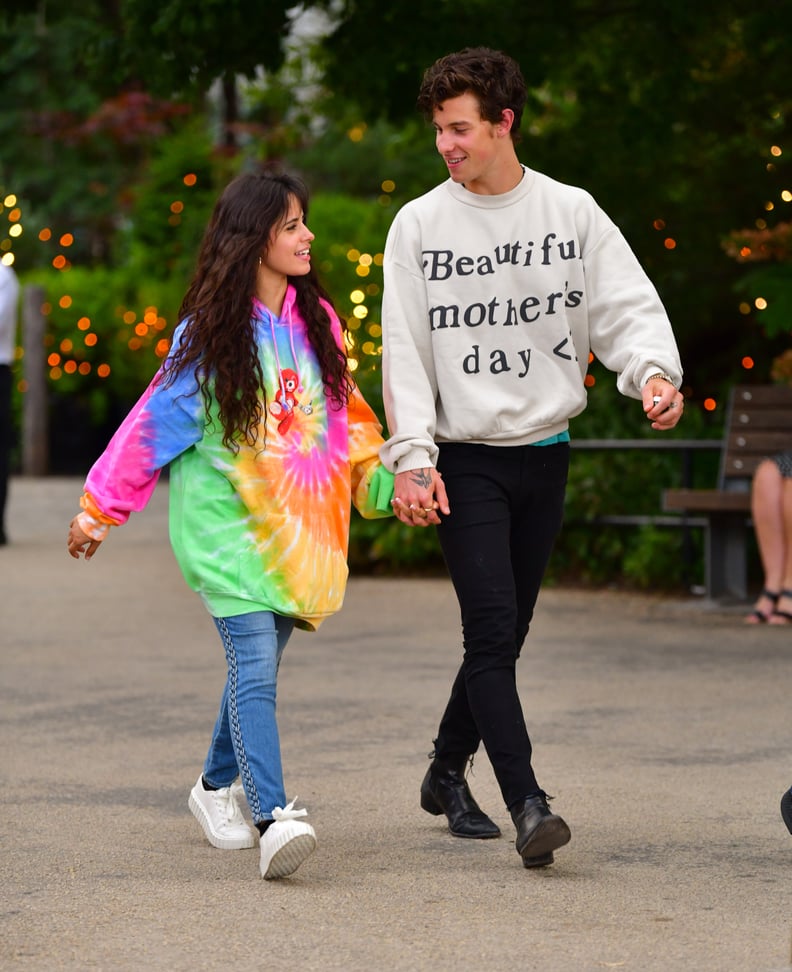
[121, 121]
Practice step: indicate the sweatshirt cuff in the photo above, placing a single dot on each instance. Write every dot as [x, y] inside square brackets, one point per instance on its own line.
[91, 527]
[399, 457]
[93, 522]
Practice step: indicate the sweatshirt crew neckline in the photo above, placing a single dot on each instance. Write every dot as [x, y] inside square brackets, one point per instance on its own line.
[499, 200]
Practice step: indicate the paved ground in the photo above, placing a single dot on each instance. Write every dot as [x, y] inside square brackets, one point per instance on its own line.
[661, 726]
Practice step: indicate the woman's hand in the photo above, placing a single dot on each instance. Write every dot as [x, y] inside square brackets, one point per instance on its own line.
[79, 542]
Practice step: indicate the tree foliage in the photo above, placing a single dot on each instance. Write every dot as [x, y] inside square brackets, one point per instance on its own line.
[182, 46]
[92, 86]
[72, 143]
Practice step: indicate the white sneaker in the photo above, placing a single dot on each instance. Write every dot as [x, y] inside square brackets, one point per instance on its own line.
[219, 815]
[286, 843]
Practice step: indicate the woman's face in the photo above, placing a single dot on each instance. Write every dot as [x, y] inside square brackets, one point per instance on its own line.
[288, 253]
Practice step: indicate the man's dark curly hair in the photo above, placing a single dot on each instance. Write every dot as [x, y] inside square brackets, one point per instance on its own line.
[219, 340]
[492, 76]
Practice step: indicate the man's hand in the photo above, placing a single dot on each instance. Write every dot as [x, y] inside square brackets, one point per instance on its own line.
[418, 496]
[80, 543]
[662, 403]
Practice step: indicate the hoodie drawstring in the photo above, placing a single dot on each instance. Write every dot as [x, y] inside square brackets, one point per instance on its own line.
[275, 346]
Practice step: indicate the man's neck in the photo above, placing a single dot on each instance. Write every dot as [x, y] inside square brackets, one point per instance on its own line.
[499, 180]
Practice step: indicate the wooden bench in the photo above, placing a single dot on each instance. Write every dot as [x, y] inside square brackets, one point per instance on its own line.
[758, 424]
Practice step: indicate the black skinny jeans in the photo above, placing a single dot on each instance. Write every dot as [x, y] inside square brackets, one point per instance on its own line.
[506, 511]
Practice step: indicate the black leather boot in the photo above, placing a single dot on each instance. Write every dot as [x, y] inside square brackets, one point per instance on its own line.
[445, 790]
[539, 830]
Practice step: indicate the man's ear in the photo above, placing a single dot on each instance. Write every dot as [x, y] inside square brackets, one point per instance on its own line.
[504, 126]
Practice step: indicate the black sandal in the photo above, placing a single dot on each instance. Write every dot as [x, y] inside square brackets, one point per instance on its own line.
[786, 615]
[762, 618]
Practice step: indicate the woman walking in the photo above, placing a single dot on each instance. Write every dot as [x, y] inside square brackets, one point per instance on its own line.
[268, 439]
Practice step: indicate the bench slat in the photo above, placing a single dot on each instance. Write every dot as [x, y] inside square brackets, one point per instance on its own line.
[768, 441]
[774, 395]
[707, 500]
[756, 421]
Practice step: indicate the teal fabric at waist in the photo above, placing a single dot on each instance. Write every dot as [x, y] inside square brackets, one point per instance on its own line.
[553, 439]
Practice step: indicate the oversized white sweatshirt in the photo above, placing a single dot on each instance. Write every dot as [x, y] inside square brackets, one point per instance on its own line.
[491, 307]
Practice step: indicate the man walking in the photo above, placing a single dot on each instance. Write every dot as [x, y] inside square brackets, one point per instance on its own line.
[498, 284]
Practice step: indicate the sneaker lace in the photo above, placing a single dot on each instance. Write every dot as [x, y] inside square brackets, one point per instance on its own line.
[288, 812]
[226, 805]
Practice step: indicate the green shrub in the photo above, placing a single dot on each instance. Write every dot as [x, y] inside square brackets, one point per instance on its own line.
[388, 546]
[101, 350]
[630, 482]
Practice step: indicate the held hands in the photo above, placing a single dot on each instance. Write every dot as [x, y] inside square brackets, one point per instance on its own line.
[418, 496]
[80, 543]
[662, 403]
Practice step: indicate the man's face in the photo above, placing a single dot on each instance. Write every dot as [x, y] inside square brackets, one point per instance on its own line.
[473, 149]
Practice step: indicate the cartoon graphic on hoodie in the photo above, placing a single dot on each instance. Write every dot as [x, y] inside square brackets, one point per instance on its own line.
[286, 400]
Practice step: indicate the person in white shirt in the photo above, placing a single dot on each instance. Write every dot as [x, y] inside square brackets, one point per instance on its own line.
[499, 282]
[9, 303]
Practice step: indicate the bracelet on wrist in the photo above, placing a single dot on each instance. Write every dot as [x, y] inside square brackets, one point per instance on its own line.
[661, 375]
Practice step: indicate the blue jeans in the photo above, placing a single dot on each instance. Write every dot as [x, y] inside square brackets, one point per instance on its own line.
[506, 509]
[245, 741]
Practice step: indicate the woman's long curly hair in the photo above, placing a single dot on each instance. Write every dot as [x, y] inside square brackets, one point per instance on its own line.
[219, 341]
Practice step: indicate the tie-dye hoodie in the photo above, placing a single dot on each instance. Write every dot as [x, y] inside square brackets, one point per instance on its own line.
[266, 528]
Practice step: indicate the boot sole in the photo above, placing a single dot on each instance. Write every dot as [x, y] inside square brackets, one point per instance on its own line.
[549, 834]
[490, 836]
